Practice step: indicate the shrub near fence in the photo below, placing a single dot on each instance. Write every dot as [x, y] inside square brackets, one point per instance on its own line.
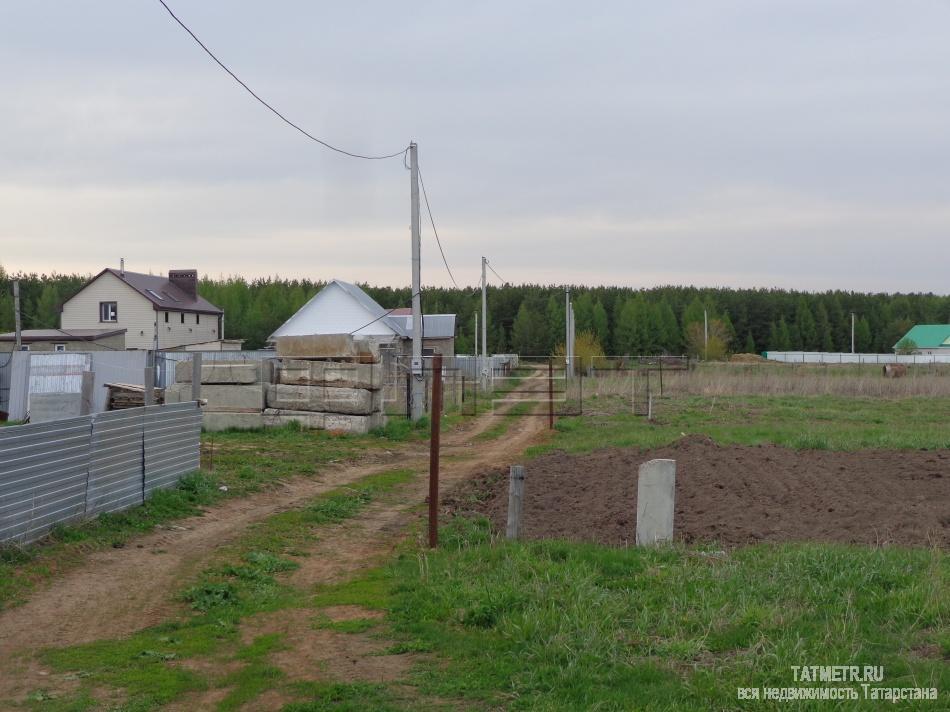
[69, 470]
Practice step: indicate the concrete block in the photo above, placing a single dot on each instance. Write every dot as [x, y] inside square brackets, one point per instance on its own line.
[220, 397]
[356, 424]
[335, 374]
[220, 372]
[216, 421]
[45, 407]
[349, 401]
[328, 346]
[655, 490]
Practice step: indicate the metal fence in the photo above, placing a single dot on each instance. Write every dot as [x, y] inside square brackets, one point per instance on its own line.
[70, 470]
[830, 358]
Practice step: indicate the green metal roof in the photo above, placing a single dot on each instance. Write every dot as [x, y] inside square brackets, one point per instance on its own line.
[929, 336]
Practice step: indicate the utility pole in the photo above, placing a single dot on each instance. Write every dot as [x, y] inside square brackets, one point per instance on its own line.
[16, 313]
[852, 332]
[705, 335]
[484, 326]
[417, 407]
[567, 331]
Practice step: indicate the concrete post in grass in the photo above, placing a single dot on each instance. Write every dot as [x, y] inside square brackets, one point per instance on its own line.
[655, 489]
[515, 501]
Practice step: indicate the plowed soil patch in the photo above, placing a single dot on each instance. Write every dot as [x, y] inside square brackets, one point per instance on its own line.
[734, 495]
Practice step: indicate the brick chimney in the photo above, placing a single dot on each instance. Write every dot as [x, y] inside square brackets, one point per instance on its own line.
[186, 280]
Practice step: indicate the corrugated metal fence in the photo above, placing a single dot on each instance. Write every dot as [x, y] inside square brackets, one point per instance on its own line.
[69, 470]
[831, 358]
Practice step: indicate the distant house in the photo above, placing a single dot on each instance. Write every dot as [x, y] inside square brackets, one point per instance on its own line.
[927, 339]
[62, 340]
[344, 308]
[154, 311]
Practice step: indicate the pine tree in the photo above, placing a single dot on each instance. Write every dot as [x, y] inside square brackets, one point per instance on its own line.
[749, 344]
[600, 323]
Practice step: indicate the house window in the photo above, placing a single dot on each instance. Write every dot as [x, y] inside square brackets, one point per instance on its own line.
[197, 318]
[166, 317]
[183, 317]
[59, 347]
[24, 347]
[108, 311]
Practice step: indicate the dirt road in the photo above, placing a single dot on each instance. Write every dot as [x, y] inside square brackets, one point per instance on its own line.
[119, 591]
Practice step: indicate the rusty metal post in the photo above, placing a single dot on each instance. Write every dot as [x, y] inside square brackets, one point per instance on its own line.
[434, 433]
[551, 392]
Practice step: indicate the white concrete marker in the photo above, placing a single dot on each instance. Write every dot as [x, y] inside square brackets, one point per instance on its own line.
[655, 488]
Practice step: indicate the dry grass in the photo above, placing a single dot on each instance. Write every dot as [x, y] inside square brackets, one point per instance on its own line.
[726, 379]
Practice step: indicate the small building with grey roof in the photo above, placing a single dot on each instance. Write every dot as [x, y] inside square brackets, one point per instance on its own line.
[345, 308]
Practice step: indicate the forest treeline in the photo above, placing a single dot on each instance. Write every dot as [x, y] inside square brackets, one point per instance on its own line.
[529, 318]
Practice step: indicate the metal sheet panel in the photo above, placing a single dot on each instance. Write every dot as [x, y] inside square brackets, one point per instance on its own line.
[172, 443]
[43, 476]
[115, 472]
[19, 385]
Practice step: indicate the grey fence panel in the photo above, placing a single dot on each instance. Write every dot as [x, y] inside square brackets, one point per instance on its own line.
[115, 471]
[172, 443]
[19, 386]
[68, 470]
[43, 476]
[6, 368]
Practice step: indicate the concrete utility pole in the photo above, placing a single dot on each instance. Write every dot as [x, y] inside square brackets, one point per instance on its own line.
[705, 335]
[567, 331]
[573, 336]
[16, 313]
[484, 326]
[417, 408]
[484, 310]
[852, 332]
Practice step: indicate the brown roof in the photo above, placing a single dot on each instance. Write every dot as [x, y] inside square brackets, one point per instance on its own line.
[160, 292]
[32, 335]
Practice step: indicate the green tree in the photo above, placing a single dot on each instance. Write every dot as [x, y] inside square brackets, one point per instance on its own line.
[862, 335]
[599, 323]
[527, 333]
[750, 344]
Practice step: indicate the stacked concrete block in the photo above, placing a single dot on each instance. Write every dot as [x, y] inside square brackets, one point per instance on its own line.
[233, 392]
[327, 382]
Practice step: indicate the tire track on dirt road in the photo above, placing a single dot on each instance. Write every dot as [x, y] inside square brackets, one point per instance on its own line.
[116, 592]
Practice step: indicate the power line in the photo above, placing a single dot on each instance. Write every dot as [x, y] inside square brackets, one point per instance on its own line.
[385, 314]
[503, 280]
[432, 221]
[279, 115]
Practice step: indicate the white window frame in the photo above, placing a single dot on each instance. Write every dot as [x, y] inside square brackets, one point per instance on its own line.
[104, 310]
[59, 347]
[24, 347]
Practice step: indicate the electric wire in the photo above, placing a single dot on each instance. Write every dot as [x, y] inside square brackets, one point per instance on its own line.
[279, 115]
[434, 230]
[387, 313]
[503, 280]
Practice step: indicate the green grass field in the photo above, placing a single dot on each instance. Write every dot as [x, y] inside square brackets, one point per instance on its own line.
[801, 422]
[552, 625]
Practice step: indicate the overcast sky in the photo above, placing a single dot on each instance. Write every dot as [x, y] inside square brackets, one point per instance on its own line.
[798, 143]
